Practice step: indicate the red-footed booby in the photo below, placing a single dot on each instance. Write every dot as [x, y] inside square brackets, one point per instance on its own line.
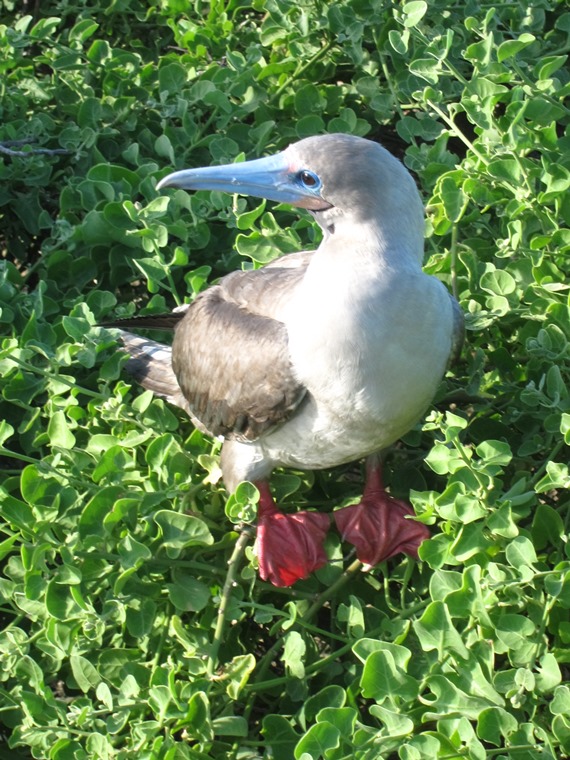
[319, 358]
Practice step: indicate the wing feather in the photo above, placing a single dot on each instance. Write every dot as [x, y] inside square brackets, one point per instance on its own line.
[230, 354]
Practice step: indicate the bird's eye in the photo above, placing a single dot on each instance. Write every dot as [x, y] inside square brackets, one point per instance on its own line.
[309, 179]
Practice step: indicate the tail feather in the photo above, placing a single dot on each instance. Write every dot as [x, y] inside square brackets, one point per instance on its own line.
[150, 364]
[149, 321]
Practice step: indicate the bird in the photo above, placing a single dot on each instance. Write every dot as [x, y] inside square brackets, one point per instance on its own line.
[319, 358]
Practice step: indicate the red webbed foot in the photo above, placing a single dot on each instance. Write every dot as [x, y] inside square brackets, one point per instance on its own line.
[289, 547]
[379, 526]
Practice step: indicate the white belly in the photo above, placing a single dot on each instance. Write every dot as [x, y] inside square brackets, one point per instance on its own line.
[370, 375]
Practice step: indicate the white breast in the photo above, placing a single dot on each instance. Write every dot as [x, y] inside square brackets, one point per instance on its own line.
[371, 351]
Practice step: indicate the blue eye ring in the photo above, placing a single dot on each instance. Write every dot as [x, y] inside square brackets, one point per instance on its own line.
[309, 179]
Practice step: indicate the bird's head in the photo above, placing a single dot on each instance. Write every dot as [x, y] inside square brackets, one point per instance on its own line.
[341, 179]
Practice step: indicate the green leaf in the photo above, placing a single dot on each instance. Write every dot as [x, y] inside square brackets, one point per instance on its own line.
[140, 617]
[294, 654]
[59, 433]
[353, 616]
[510, 48]
[495, 725]
[159, 451]
[549, 675]
[280, 736]
[385, 674]
[179, 531]
[505, 169]
[241, 505]
[83, 30]
[332, 696]
[188, 594]
[99, 52]
[199, 723]
[436, 631]
[426, 68]
[84, 672]
[547, 527]
[343, 718]
[495, 453]
[451, 702]
[550, 64]
[557, 476]
[91, 521]
[104, 695]
[397, 723]
[60, 603]
[45, 27]
[498, 282]
[171, 78]
[561, 730]
[520, 552]
[414, 12]
[514, 631]
[454, 199]
[164, 149]
[443, 459]
[6, 431]
[560, 704]
[238, 672]
[159, 698]
[472, 599]
[399, 40]
[317, 741]
[230, 725]
[245, 221]
[132, 552]
[308, 100]
[421, 747]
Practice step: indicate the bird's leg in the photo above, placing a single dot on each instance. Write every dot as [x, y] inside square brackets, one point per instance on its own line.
[379, 526]
[289, 546]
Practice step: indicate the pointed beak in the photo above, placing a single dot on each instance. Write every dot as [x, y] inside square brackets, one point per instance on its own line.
[273, 178]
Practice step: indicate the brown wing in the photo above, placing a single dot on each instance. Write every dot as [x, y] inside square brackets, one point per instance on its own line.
[230, 354]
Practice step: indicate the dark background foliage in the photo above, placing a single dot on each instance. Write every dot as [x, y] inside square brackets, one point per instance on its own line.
[115, 534]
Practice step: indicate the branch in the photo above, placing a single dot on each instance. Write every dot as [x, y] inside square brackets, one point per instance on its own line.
[9, 151]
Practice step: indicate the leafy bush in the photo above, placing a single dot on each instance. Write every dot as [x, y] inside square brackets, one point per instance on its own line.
[124, 631]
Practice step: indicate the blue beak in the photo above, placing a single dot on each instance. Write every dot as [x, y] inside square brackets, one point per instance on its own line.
[273, 178]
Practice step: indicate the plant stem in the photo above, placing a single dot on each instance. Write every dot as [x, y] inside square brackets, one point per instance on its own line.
[20, 457]
[453, 265]
[233, 564]
[347, 575]
[55, 376]
[542, 469]
[457, 132]
[299, 71]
